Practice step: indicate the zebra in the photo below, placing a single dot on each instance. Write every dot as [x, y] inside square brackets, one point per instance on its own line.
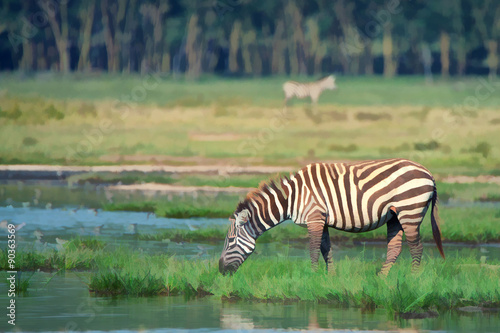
[353, 197]
[311, 89]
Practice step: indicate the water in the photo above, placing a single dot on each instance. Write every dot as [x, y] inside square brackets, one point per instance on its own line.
[64, 303]
[117, 230]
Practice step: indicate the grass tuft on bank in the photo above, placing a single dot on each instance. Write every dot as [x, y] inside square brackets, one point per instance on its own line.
[439, 285]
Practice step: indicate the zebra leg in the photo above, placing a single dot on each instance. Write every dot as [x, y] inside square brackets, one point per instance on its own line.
[412, 232]
[394, 240]
[326, 249]
[315, 230]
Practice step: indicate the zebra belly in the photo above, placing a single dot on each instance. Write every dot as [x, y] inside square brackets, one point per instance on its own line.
[356, 226]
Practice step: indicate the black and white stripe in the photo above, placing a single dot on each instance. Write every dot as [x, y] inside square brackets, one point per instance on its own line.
[310, 89]
[353, 197]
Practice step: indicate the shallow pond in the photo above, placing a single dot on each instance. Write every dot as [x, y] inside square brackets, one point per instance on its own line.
[64, 303]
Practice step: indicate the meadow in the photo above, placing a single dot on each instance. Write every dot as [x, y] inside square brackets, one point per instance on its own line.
[116, 120]
[150, 120]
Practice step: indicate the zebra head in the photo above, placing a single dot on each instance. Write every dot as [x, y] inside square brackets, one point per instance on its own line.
[330, 82]
[240, 242]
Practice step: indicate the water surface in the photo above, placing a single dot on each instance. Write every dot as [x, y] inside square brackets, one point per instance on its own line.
[64, 303]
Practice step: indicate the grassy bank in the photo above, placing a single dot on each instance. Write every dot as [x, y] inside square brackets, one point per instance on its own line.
[458, 225]
[202, 205]
[78, 122]
[439, 285]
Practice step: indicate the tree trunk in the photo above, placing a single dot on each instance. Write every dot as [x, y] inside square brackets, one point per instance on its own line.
[26, 63]
[461, 56]
[389, 67]
[192, 47]
[445, 54]
[248, 39]
[86, 36]
[61, 36]
[41, 61]
[318, 59]
[118, 35]
[368, 59]
[165, 62]
[158, 35]
[296, 40]
[277, 63]
[234, 39]
[127, 36]
[492, 58]
[108, 38]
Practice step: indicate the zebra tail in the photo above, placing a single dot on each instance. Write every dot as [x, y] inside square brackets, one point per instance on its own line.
[436, 231]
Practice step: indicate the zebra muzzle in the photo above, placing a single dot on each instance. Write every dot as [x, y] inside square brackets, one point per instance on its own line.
[229, 269]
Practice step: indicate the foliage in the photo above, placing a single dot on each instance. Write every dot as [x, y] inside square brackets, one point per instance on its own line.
[184, 37]
[52, 113]
[114, 283]
[431, 145]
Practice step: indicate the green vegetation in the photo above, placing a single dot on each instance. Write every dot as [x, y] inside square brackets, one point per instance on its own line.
[439, 285]
[88, 95]
[119, 283]
[468, 192]
[199, 33]
[356, 122]
[202, 205]
[132, 177]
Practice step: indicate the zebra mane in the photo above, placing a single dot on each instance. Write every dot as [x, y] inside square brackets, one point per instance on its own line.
[326, 77]
[276, 184]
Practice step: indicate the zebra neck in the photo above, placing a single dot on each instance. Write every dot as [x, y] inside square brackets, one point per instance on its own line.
[267, 214]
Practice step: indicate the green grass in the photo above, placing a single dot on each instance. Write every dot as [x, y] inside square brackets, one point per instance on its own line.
[203, 205]
[411, 90]
[117, 283]
[240, 122]
[439, 285]
[483, 192]
[22, 282]
[127, 178]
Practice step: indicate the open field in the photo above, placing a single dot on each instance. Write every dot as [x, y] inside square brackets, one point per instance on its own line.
[214, 121]
[355, 283]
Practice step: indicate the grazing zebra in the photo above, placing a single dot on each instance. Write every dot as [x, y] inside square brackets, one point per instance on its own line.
[311, 89]
[353, 197]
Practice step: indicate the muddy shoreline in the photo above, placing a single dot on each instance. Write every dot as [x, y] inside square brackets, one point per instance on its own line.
[61, 173]
[55, 172]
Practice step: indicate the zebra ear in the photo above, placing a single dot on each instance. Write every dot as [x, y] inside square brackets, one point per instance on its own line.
[242, 217]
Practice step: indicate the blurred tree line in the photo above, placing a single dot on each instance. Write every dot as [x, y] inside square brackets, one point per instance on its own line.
[251, 37]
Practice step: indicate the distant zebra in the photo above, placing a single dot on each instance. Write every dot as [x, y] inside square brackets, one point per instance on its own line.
[310, 89]
[353, 197]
